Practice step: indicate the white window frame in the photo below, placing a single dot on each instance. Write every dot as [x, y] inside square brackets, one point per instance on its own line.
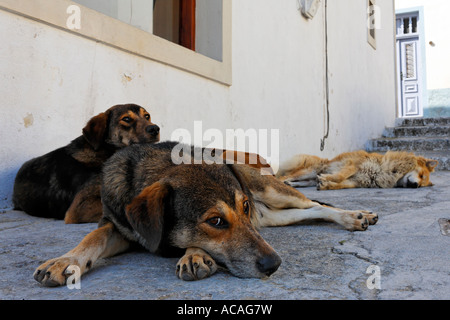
[372, 40]
[112, 32]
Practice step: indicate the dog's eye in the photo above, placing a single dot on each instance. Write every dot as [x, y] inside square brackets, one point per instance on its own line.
[147, 116]
[217, 222]
[126, 119]
[246, 207]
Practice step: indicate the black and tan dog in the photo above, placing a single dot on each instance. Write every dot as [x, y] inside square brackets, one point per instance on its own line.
[210, 211]
[65, 183]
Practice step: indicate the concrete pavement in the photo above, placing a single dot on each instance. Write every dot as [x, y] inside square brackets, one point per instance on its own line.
[406, 255]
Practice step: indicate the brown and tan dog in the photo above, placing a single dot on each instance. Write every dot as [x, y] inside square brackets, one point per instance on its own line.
[65, 183]
[211, 212]
[359, 169]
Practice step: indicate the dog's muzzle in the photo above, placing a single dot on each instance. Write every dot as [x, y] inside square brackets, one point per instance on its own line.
[153, 130]
[411, 184]
[268, 264]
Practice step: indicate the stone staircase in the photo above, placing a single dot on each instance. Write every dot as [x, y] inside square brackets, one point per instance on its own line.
[428, 137]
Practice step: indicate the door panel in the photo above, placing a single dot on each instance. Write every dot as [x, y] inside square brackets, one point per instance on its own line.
[409, 78]
[409, 67]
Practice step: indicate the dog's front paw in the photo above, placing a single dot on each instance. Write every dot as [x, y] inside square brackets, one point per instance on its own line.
[196, 264]
[358, 220]
[55, 272]
[323, 183]
[371, 217]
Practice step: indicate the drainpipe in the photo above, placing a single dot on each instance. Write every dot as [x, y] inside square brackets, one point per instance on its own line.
[327, 88]
[309, 9]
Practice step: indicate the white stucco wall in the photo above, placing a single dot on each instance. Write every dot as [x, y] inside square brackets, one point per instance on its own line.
[52, 82]
[362, 87]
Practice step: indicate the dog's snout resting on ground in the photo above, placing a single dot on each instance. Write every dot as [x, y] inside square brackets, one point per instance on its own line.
[211, 213]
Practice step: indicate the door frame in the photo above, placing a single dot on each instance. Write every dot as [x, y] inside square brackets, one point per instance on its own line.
[421, 62]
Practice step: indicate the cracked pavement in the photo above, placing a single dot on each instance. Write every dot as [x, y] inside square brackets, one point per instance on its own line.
[410, 246]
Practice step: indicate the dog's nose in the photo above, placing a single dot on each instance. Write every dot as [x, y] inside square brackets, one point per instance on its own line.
[268, 264]
[153, 130]
[410, 184]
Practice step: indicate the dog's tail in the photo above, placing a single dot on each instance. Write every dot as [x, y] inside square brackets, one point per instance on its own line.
[300, 161]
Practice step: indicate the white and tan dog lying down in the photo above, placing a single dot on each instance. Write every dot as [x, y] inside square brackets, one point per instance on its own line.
[358, 169]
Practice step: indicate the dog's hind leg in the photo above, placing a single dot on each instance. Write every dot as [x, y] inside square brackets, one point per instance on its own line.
[330, 185]
[103, 242]
[87, 204]
[338, 180]
[304, 178]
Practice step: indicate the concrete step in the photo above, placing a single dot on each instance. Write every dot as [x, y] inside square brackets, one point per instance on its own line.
[432, 143]
[443, 157]
[415, 131]
[428, 137]
[415, 122]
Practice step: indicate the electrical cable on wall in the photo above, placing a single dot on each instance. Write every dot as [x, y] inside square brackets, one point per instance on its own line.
[327, 91]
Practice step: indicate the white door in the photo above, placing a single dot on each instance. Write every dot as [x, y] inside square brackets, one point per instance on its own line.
[409, 78]
[409, 73]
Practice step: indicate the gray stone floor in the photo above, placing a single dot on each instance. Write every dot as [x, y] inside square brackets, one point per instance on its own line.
[410, 247]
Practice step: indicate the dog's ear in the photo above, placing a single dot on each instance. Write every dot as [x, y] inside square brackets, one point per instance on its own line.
[236, 170]
[431, 164]
[95, 130]
[146, 213]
